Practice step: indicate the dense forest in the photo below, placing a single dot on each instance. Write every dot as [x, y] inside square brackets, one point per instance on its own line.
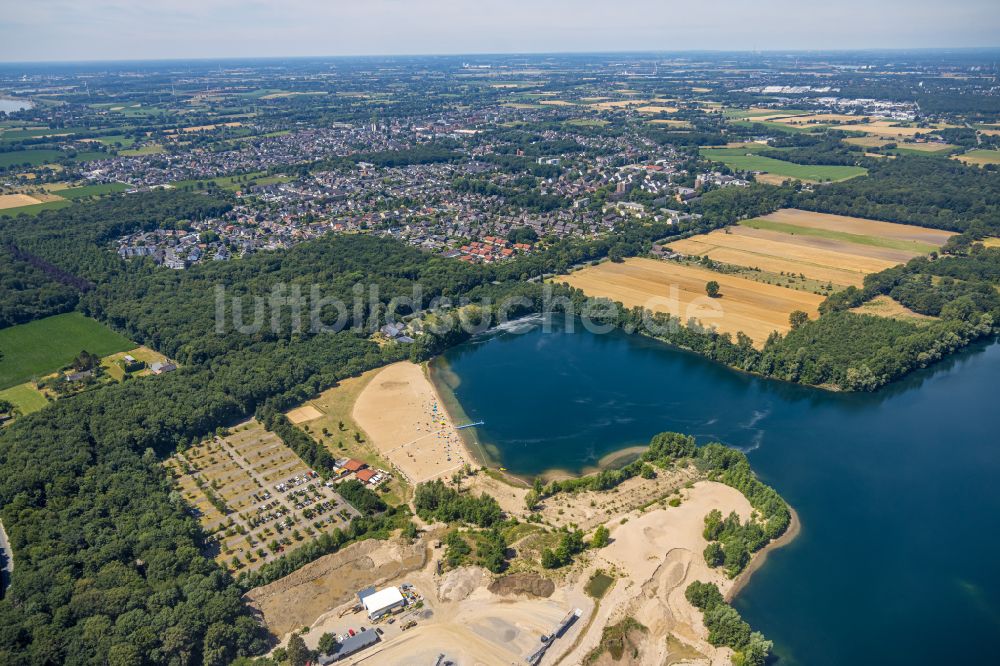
[939, 193]
[28, 292]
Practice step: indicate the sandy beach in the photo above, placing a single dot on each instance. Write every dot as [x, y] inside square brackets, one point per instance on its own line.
[405, 420]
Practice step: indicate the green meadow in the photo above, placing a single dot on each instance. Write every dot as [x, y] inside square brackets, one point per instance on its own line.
[43, 346]
[737, 158]
[25, 397]
[29, 157]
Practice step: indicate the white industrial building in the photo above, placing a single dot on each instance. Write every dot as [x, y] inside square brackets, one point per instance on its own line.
[382, 602]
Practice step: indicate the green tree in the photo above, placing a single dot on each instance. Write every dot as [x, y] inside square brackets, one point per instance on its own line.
[712, 289]
[600, 539]
[797, 318]
[298, 653]
[327, 643]
[713, 554]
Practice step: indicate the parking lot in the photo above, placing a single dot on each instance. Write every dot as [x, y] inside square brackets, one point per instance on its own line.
[256, 498]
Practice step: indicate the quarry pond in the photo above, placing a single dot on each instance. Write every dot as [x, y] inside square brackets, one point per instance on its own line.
[877, 479]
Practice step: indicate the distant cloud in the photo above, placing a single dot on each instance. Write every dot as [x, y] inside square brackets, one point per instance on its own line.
[129, 29]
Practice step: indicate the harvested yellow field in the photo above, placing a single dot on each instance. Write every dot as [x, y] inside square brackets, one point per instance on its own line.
[770, 178]
[926, 146]
[980, 157]
[17, 200]
[654, 108]
[754, 308]
[816, 118]
[556, 102]
[205, 128]
[683, 124]
[888, 128]
[886, 306]
[776, 252]
[860, 226]
[991, 242]
[866, 141]
[619, 104]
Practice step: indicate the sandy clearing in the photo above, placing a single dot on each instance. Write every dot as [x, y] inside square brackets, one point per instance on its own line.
[408, 425]
[886, 306]
[860, 226]
[754, 308]
[658, 555]
[303, 414]
[300, 598]
[17, 200]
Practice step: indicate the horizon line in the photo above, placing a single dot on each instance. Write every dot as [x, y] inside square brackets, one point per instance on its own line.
[777, 51]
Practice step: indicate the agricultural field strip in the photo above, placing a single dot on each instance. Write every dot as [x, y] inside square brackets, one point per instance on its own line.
[860, 226]
[747, 305]
[773, 263]
[790, 229]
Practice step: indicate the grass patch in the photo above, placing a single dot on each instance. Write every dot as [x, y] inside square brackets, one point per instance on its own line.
[25, 397]
[45, 345]
[619, 639]
[587, 122]
[875, 241]
[336, 429]
[599, 584]
[980, 157]
[810, 172]
[35, 209]
[148, 149]
[92, 190]
[29, 157]
[233, 183]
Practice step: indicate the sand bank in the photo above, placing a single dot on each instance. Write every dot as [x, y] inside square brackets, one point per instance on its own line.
[656, 556]
[406, 421]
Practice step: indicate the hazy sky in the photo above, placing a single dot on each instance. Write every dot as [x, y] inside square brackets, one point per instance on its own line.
[124, 29]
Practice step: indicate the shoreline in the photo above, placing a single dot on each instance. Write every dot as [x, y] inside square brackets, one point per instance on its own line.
[406, 422]
[448, 404]
[760, 557]
[451, 407]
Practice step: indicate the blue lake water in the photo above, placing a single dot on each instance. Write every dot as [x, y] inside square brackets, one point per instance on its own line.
[12, 105]
[898, 492]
